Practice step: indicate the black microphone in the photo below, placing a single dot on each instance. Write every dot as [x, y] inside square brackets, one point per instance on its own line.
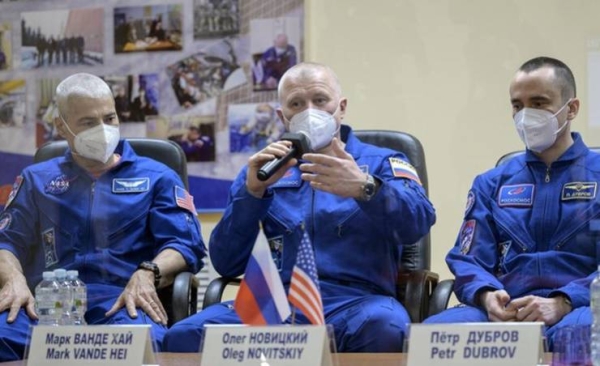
[300, 145]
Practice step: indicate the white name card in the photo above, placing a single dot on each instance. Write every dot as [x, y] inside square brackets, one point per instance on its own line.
[106, 345]
[279, 345]
[475, 344]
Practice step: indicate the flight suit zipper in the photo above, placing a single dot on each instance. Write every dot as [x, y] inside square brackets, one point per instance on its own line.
[92, 193]
[547, 179]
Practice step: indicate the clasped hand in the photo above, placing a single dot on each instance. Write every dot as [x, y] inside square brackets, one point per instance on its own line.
[530, 308]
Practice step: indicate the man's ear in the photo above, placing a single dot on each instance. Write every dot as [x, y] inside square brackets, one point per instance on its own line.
[343, 106]
[573, 109]
[280, 115]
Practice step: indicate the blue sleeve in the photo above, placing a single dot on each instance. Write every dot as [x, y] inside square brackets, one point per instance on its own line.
[173, 226]
[474, 257]
[401, 205]
[578, 291]
[19, 219]
[233, 238]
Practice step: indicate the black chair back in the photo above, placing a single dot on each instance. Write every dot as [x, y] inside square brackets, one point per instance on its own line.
[164, 151]
[416, 256]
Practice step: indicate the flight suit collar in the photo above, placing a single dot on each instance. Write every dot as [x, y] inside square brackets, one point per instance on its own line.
[574, 152]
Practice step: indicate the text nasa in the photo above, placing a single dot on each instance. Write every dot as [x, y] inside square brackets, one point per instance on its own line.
[88, 346]
[276, 346]
[480, 344]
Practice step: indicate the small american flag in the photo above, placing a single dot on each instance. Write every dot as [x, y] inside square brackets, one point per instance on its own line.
[184, 199]
[304, 287]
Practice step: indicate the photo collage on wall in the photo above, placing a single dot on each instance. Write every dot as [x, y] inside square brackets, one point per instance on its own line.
[201, 73]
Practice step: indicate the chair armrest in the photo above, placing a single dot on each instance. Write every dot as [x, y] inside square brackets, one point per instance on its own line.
[214, 291]
[419, 285]
[185, 296]
[440, 297]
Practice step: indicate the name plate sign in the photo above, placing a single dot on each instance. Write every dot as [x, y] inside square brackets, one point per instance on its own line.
[106, 345]
[282, 345]
[475, 344]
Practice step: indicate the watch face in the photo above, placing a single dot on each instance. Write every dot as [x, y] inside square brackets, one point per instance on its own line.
[369, 189]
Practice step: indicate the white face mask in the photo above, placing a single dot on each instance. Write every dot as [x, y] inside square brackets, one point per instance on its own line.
[538, 128]
[97, 143]
[319, 126]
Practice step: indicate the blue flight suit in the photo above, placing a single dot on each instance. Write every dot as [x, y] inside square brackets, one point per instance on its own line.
[531, 230]
[276, 64]
[62, 217]
[357, 248]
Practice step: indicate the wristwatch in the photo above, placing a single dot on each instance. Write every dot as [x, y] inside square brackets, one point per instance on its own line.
[368, 188]
[153, 267]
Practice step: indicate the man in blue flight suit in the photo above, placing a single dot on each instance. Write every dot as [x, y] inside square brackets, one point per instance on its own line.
[124, 222]
[527, 249]
[358, 204]
[276, 60]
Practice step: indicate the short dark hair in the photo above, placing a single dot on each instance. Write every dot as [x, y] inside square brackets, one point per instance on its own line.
[563, 73]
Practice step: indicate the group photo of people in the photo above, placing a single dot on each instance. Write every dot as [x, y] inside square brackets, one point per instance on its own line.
[62, 38]
[216, 18]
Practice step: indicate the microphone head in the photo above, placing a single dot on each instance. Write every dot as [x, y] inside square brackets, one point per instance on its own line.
[300, 142]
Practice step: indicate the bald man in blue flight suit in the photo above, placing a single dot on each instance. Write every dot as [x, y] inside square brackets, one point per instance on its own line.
[357, 233]
[527, 248]
[124, 222]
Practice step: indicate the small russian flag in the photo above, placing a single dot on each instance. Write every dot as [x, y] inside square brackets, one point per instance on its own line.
[261, 298]
[403, 169]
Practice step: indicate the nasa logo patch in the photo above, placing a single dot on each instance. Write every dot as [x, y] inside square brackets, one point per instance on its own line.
[57, 185]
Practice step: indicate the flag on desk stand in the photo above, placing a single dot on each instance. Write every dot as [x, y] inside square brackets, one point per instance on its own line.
[261, 297]
[304, 287]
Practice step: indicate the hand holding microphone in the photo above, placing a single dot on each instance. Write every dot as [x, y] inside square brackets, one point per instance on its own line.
[300, 146]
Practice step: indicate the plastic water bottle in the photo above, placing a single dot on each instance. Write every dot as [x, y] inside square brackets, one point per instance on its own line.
[79, 291]
[595, 305]
[46, 296]
[65, 301]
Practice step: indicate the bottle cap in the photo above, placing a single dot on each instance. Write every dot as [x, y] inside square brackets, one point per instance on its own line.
[60, 273]
[72, 274]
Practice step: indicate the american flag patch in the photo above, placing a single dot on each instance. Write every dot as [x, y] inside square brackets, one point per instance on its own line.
[402, 169]
[184, 199]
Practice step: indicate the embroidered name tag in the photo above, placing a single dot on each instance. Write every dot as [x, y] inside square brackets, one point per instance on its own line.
[516, 195]
[579, 191]
[130, 185]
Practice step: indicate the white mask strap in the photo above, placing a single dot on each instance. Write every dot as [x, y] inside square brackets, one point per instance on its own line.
[66, 125]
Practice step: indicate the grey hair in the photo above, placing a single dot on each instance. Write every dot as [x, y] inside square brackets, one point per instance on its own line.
[306, 70]
[80, 85]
